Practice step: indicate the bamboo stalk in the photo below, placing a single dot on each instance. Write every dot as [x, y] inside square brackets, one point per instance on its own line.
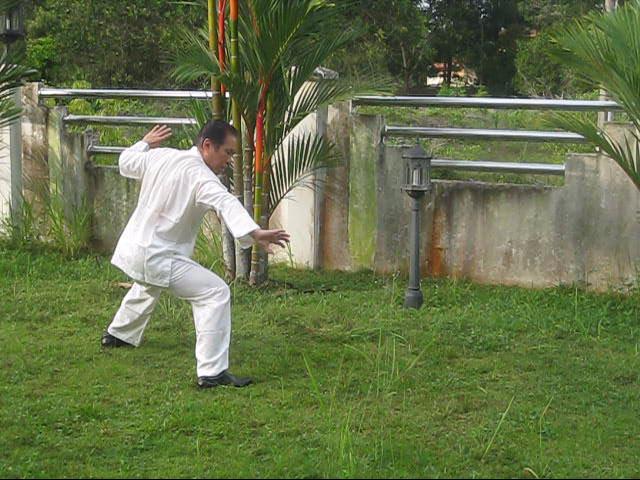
[221, 40]
[216, 101]
[257, 204]
[228, 244]
[243, 258]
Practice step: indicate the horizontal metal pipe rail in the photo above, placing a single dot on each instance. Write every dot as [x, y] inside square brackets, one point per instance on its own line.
[494, 167]
[401, 131]
[94, 149]
[122, 120]
[490, 102]
[47, 92]
[483, 134]
[443, 163]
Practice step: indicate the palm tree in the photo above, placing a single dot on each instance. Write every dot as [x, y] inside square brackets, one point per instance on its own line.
[604, 49]
[282, 42]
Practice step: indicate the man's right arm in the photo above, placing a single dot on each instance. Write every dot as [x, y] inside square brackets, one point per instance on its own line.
[133, 161]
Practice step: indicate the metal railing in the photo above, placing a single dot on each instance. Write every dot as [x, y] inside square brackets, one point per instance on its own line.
[488, 134]
[493, 167]
[119, 120]
[72, 93]
[46, 92]
[483, 134]
[388, 131]
[490, 102]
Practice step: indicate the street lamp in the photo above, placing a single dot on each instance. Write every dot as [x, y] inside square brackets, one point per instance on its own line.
[417, 181]
[12, 23]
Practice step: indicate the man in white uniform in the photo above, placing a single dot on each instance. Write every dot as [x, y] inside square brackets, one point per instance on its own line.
[177, 188]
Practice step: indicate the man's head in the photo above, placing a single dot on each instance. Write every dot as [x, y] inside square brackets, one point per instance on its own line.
[216, 143]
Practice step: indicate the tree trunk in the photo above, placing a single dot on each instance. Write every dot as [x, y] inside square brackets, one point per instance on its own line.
[405, 69]
[228, 245]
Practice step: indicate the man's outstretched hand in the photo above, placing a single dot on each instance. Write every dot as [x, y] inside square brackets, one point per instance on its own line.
[157, 135]
[266, 238]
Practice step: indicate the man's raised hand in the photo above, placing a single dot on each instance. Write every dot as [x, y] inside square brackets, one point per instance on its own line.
[157, 135]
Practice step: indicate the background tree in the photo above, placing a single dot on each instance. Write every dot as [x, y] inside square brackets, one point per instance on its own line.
[394, 39]
[107, 43]
[282, 42]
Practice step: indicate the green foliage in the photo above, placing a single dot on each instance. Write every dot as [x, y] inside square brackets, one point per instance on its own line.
[208, 248]
[57, 223]
[128, 44]
[603, 50]
[22, 227]
[540, 74]
[110, 44]
[69, 226]
[393, 40]
[541, 14]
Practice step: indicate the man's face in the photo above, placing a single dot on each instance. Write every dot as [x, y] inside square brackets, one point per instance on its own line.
[218, 157]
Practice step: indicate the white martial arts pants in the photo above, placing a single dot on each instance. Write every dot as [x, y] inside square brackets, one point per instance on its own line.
[210, 300]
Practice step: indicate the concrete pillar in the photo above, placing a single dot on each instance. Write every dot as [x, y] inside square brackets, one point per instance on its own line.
[69, 178]
[334, 235]
[15, 158]
[35, 169]
[366, 156]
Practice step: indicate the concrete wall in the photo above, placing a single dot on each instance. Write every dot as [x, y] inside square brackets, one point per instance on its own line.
[114, 199]
[11, 168]
[6, 175]
[584, 232]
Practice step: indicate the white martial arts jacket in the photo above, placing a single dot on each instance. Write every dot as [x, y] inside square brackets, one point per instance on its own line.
[177, 190]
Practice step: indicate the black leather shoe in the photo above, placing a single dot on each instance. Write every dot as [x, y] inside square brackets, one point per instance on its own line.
[224, 378]
[109, 340]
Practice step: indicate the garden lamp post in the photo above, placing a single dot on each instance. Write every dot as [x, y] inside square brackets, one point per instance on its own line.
[12, 24]
[417, 181]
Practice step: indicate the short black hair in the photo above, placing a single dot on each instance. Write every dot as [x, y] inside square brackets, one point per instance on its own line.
[216, 131]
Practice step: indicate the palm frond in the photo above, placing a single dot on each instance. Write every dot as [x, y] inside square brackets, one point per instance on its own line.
[299, 157]
[624, 154]
[12, 75]
[604, 49]
[194, 60]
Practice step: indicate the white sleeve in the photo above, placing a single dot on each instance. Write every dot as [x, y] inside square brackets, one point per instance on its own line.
[133, 161]
[214, 195]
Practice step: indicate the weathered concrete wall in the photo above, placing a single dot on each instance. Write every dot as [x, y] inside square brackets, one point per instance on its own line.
[35, 168]
[584, 232]
[69, 164]
[11, 168]
[7, 176]
[114, 199]
[334, 238]
[26, 177]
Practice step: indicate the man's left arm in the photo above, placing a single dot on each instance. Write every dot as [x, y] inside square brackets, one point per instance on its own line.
[247, 232]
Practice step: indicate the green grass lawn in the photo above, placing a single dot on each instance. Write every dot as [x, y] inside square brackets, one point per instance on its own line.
[481, 382]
